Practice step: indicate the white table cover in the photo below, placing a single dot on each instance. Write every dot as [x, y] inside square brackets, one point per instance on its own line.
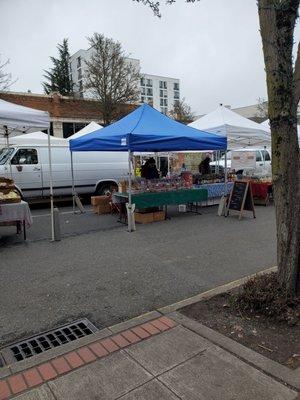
[16, 212]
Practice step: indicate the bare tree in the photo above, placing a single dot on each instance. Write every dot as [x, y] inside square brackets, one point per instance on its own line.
[277, 23]
[110, 77]
[262, 108]
[182, 112]
[5, 77]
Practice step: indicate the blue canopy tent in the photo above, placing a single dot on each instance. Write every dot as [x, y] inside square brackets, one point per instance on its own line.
[147, 130]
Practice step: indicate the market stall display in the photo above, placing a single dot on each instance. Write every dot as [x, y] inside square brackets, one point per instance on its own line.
[17, 120]
[147, 200]
[262, 191]
[13, 211]
[147, 130]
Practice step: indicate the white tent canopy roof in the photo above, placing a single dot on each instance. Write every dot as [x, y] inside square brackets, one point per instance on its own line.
[240, 131]
[91, 127]
[19, 119]
[37, 138]
[266, 126]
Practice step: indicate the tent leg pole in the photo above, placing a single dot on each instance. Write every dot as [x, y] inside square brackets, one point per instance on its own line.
[7, 144]
[73, 183]
[226, 173]
[51, 187]
[130, 206]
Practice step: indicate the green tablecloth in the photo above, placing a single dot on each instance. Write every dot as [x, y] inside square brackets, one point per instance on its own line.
[146, 200]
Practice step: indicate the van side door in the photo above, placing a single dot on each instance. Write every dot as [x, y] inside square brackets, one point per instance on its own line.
[26, 171]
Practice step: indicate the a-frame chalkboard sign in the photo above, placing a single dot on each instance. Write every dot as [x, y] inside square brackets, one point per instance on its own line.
[241, 198]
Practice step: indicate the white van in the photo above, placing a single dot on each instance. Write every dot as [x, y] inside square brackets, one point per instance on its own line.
[263, 160]
[94, 172]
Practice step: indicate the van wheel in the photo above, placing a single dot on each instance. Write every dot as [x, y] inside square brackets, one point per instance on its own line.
[106, 189]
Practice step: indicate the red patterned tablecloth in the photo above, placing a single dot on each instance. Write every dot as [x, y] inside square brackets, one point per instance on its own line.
[261, 189]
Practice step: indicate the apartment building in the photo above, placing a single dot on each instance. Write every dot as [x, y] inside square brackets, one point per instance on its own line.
[159, 91]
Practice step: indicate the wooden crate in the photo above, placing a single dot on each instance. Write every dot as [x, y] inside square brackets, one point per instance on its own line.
[96, 200]
[159, 216]
[143, 217]
[102, 209]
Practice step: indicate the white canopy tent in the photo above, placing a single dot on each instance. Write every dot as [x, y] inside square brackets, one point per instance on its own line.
[38, 138]
[16, 120]
[240, 131]
[91, 127]
[266, 126]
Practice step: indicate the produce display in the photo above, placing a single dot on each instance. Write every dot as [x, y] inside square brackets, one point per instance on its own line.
[8, 194]
[140, 185]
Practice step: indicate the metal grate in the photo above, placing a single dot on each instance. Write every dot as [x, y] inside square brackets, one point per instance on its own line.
[40, 343]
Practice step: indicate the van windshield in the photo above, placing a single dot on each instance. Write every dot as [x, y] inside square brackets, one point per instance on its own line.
[5, 154]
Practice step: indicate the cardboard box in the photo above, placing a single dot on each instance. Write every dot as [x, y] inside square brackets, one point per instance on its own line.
[96, 200]
[159, 216]
[102, 209]
[143, 217]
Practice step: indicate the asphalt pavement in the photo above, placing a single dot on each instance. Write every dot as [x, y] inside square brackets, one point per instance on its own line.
[102, 272]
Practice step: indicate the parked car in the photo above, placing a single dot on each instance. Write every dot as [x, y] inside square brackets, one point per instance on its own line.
[94, 172]
[263, 161]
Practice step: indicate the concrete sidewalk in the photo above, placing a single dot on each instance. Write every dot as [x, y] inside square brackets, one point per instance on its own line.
[154, 360]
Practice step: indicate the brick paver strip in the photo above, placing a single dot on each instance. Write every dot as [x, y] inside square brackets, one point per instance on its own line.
[167, 321]
[32, 377]
[4, 390]
[159, 325]
[131, 337]
[98, 349]
[63, 364]
[86, 354]
[150, 328]
[120, 341]
[109, 345]
[17, 383]
[74, 360]
[47, 371]
[140, 332]
[60, 365]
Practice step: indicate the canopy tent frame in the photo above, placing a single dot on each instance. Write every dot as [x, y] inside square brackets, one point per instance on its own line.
[146, 130]
[20, 119]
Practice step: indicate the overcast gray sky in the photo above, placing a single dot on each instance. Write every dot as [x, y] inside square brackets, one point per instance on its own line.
[213, 47]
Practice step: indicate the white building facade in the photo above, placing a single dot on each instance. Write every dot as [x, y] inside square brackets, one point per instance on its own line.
[159, 91]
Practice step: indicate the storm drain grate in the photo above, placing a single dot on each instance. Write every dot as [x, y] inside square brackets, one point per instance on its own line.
[40, 343]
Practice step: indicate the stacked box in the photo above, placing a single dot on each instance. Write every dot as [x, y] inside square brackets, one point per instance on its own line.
[147, 217]
[101, 204]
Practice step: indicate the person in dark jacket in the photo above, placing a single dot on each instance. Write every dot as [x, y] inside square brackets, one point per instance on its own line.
[204, 167]
[152, 172]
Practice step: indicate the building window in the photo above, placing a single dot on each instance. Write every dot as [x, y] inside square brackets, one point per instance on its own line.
[149, 92]
[161, 102]
[163, 93]
[143, 91]
[149, 82]
[142, 99]
[176, 86]
[176, 102]
[164, 110]
[176, 95]
[163, 85]
[142, 81]
[78, 62]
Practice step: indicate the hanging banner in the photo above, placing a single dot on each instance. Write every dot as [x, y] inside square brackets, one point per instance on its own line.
[243, 159]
